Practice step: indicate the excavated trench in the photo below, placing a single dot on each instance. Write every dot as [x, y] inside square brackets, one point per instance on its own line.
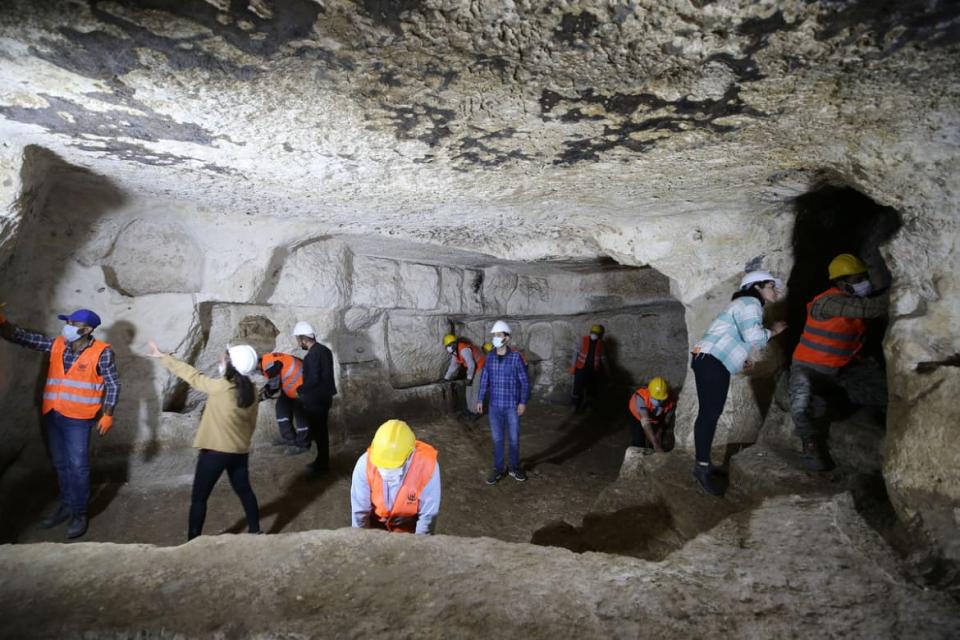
[582, 494]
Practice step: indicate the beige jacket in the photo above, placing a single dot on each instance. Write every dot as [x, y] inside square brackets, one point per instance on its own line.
[224, 426]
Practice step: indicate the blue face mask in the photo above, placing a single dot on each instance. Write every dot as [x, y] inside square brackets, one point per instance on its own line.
[71, 333]
[655, 402]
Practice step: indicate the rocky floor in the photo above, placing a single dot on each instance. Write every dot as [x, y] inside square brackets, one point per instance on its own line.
[785, 554]
[569, 458]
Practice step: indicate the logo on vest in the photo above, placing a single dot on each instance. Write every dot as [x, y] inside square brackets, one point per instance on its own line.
[82, 366]
[411, 497]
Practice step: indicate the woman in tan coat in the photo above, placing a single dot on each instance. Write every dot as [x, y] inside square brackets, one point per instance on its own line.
[225, 430]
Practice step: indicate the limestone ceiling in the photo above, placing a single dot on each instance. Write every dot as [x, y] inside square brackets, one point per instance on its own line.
[434, 113]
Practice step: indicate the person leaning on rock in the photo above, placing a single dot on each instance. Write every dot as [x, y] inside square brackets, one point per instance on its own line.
[396, 483]
[225, 431]
[828, 355]
[316, 393]
[723, 351]
[652, 408]
[81, 391]
[467, 355]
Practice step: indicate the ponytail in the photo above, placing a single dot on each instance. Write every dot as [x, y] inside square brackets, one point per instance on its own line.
[246, 393]
[752, 291]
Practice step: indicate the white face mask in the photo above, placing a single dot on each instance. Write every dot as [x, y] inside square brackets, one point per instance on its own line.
[70, 332]
[391, 475]
[498, 342]
[221, 368]
[862, 289]
[594, 336]
[450, 348]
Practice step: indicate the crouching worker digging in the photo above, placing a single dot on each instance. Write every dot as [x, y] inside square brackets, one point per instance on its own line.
[396, 483]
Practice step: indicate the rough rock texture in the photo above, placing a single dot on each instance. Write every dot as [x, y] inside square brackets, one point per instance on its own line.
[733, 580]
[670, 134]
[197, 286]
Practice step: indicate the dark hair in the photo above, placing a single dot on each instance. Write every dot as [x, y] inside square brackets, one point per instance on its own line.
[246, 394]
[752, 291]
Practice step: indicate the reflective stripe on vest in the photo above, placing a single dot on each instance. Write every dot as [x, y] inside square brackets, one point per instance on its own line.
[831, 343]
[656, 413]
[291, 371]
[585, 349]
[77, 393]
[403, 514]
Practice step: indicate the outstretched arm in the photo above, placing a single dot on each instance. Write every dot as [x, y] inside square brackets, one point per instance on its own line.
[183, 370]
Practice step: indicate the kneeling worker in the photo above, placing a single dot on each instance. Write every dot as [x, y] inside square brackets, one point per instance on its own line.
[396, 483]
[652, 409]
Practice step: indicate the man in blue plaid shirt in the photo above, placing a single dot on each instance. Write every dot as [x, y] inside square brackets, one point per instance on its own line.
[81, 391]
[504, 377]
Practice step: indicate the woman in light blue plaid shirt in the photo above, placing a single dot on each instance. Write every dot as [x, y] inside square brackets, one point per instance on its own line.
[722, 351]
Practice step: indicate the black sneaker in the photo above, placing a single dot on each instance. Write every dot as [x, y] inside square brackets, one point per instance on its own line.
[518, 475]
[77, 527]
[294, 450]
[62, 514]
[495, 476]
[707, 479]
[316, 469]
[282, 442]
[814, 456]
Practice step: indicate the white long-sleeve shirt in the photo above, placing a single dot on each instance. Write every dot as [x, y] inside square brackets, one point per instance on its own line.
[362, 506]
[467, 354]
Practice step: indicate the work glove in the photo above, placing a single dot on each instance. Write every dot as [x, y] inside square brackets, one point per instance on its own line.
[105, 424]
[469, 381]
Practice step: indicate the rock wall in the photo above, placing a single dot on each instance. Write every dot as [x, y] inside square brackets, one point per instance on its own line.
[671, 135]
[174, 273]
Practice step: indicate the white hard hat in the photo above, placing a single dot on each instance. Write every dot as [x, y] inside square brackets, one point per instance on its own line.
[303, 329]
[752, 277]
[500, 326]
[243, 358]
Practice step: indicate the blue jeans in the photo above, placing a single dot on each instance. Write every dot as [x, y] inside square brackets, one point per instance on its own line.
[500, 418]
[69, 441]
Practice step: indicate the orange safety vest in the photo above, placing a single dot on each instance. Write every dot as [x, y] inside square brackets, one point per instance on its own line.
[402, 517]
[665, 407]
[77, 393]
[463, 344]
[291, 375]
[830, 343]
[585, 348]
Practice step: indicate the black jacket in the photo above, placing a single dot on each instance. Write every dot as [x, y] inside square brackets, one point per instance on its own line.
[318, 386]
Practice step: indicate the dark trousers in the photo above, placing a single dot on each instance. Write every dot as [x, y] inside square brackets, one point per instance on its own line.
[316, 415]
[713, 383]
[69, 441]
[210, 466]
[291, 421]
[813, 392]
[583, 386]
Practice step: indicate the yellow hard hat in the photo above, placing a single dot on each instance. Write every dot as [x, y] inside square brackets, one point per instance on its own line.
[449, 339]
[846, 264]
[597, 328]
[658, 388]
[392, 444]
[487, 347]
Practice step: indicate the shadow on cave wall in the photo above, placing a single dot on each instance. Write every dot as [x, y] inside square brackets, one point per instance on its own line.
[61, 205]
